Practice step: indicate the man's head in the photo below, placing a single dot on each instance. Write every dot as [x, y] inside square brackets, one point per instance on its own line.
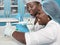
[33, 7]
[42, 18]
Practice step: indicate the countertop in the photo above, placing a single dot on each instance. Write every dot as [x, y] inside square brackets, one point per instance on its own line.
[5, 40]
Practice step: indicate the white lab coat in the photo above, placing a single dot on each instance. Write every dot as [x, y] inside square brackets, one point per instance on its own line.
[50, 35]
[33, 28]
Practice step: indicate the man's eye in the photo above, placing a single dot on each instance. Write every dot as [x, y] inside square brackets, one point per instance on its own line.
[39, 13]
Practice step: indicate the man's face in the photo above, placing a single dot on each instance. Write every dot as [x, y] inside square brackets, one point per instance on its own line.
[42, 18]
[32, 8]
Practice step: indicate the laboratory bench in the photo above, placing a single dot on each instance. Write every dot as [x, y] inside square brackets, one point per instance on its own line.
[5, 40]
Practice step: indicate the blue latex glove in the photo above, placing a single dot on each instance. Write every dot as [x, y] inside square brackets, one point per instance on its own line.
[22, 28]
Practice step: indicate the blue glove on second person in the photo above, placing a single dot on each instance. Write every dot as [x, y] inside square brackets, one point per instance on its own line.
[22, 28]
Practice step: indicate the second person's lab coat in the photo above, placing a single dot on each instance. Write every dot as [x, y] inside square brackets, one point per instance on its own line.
[33, 28]
[50, 35]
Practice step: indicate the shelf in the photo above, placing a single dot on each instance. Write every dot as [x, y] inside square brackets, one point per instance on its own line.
[1, 5]
[14, 5]
[8, 20]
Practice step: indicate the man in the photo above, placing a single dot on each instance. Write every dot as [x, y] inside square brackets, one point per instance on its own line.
[46, 36]
[33, 7]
